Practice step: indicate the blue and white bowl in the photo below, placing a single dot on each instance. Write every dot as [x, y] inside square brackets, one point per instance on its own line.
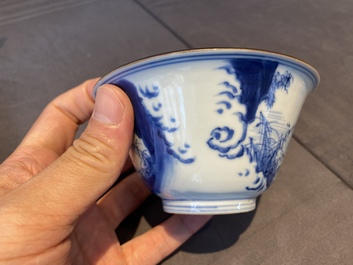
[212, 125]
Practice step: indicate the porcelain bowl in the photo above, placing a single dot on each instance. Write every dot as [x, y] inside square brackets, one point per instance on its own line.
[212, 125]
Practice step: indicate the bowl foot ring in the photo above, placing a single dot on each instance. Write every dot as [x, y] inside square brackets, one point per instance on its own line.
[209, 207]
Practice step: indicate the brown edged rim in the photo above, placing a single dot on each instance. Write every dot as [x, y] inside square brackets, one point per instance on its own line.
[282, 56]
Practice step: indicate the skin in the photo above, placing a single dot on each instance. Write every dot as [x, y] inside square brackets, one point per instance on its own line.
[52, 208]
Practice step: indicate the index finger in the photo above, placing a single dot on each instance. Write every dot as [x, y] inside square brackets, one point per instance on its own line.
[56, 127]
[49, 137]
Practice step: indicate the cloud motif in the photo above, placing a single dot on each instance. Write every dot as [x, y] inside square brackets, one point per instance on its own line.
[219, 136]
[246, 85]
[226, 138]
[163, 119]
[147, 93]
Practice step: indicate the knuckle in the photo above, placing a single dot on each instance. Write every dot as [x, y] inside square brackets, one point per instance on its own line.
[93, 153]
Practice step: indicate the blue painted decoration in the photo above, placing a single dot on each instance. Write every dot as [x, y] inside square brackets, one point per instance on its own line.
[259, 82]
[147, 127]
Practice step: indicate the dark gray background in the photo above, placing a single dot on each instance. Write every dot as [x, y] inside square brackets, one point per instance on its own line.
[306, 217]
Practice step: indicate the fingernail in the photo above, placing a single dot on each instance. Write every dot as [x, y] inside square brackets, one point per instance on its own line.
[108, 108]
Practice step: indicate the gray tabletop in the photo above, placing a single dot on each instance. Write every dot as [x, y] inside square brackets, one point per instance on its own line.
[306, 217]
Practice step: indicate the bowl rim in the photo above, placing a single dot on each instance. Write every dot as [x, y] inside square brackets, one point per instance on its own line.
[311, 72]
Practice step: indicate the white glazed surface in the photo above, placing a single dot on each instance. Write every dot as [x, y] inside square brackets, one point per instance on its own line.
[195, 105]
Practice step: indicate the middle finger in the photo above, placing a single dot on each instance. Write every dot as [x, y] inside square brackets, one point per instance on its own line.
[123, 199]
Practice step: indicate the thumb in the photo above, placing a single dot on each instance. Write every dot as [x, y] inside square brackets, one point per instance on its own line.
[96, 159]
[90, 166]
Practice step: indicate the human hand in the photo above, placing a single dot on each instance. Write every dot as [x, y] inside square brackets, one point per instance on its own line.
[51, 206]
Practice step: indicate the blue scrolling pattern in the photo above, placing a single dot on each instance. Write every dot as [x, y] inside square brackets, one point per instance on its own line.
[150, 124]
[258, 82]
[164, 126]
